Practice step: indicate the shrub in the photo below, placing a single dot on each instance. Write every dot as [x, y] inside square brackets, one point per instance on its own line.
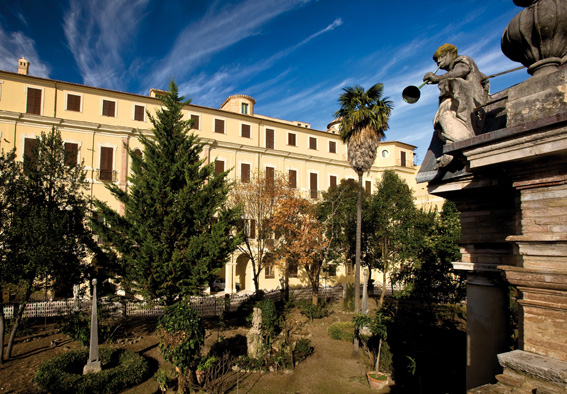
[348, 301]
[78, 326]
[313, 311]
[341, 331]
[120, 369]
[303, 349]
[271, 320]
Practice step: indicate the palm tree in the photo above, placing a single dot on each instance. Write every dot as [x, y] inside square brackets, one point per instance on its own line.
[363, 120]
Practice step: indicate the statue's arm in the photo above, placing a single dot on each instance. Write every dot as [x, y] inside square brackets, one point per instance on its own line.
[460, 70]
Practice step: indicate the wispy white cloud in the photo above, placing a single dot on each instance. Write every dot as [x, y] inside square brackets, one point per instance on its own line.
[216, 31]
[15, 45]
[98, 33]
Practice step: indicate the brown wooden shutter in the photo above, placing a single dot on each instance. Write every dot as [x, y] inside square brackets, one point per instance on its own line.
[30, 150]
[196, 125]
[313, 185]
[252, 229]
[245, 131]
[293, 179]
[332, 147]
[245, 173]
[219, 126]
[291, 140]
[368, 188]
[106, 163]
[270, 138]
[34, 101]
[108, 108]
[219, 167]
[270, 174]
[73, 102]
[403, 159]
[139, 113]
[332, 181]
[313, 143]
[71, 154]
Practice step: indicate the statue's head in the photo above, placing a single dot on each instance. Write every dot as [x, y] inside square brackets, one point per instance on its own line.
[444, 50]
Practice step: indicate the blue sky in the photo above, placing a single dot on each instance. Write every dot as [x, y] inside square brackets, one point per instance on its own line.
[293, 56]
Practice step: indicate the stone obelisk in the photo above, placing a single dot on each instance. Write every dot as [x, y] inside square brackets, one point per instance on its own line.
[93, 363]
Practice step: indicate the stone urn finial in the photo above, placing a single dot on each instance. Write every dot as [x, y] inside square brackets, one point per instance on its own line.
[537, 35]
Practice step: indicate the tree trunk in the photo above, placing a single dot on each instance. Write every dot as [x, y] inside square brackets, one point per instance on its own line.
[15, 328]
[2, 328]
[357, 257]
[384, 270]
[315, 295]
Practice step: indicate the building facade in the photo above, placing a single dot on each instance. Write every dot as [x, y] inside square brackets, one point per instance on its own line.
[97, 125]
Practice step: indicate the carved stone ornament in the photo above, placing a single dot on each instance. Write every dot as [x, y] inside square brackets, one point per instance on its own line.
[537, 35]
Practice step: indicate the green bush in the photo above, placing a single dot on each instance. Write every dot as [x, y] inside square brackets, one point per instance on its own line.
[303, 349]
[78, 326]
[64, 374]
[342, 331]
[348, 301]
[313, 311]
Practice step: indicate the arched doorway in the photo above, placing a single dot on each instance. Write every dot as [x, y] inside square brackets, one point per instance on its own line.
[241, 275]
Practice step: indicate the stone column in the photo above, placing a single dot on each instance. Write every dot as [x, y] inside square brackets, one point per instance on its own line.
[487, 326]
[365, 291]
[229, 287]
[93, 364]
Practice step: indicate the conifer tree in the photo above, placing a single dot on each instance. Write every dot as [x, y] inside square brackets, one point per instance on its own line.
[175, 233]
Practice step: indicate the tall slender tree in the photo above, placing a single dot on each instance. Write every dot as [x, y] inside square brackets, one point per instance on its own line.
[364, 116]
[175, 233]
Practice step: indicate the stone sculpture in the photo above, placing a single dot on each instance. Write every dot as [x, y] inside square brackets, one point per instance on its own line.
[254, 340]
[463, 88]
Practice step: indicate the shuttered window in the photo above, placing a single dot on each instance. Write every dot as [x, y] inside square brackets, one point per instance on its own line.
[313, 143]
[293, 179]
[196, 122]
[244, 173]
[34, 101]
[219, 167]
[252, 229]
[108, 108]
[73, 102]
[245, 131]
[219, 126]
[332, 147]
[270, 138]
[368, 188]
[30, 151]
[332, 181]
[313, 185]
[71, 154]
[139, 112]
[270, 175]
[106, 157]
[291, 139]
[269, 271]
[403, 159]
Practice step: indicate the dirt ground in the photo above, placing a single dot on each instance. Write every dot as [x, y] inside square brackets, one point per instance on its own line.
[331, 369]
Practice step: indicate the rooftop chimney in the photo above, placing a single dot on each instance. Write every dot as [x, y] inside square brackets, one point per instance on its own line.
[23, 66]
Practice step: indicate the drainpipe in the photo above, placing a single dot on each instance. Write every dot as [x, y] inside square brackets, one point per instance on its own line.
[55, 101]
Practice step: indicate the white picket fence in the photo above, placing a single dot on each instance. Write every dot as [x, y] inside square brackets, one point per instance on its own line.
[206, 306]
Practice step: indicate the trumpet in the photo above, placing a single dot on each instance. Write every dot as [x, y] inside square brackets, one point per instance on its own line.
[412, 93]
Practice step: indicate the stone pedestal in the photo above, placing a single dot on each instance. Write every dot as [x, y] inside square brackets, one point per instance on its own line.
[512, 194]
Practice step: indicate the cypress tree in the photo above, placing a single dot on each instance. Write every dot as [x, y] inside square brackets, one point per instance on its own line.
[176, 232]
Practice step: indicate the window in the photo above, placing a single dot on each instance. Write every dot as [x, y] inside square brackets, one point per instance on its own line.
[219, 126]
[403, 159]
[270, 138]
[332, 147]
[385, 153]
[368, 188]
[139, 113]
[313, 143]
[313, 185]
[270, 175]
[73, 102]
[332, 181]
[219, 167]
[245, 108]
[138, 152]
[244, 172]
[252, 229]
[291, 139]
[332, 270]
[109, 108]
[269, 271]
[71, 154]
[349, 270]
[106, 158]
[245, 130]
[30, 151]
[195, 119]
[292, 179]
[34, 101]
[292, 270]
